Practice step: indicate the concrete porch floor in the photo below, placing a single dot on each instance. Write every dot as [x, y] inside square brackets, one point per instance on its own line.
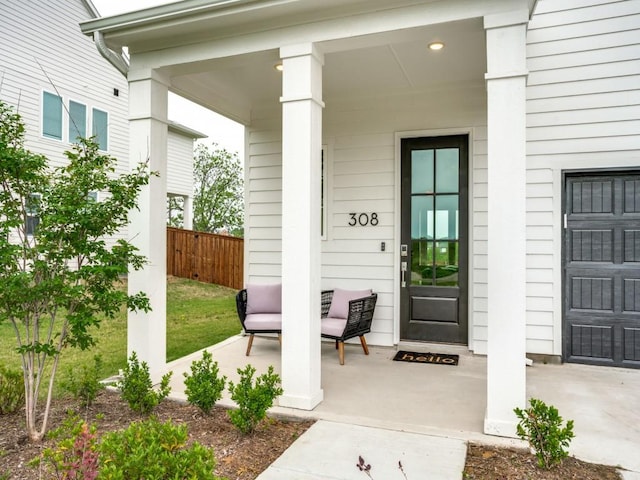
[446, 401]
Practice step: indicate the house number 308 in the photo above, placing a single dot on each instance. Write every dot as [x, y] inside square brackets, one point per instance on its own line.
[363, 219]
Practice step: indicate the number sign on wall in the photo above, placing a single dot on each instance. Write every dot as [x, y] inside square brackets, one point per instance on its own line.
[363, 219]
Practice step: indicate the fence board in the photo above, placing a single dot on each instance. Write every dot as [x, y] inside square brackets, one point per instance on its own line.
[206, 257]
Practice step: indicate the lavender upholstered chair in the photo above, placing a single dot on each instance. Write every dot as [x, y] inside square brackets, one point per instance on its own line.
[347, 314]
[260, 310]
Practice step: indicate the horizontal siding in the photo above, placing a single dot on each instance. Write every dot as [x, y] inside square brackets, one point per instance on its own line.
[179, 164]
[263, 207]
[360, 140]
[583, 99]
[42, 49]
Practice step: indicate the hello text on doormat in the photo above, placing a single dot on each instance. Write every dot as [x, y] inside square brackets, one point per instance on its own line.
[422, 357]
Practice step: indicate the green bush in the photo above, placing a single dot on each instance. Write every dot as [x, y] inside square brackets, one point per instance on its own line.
[541, 426]
[136, 387]
[75, 454]
[11, 390]
[151, 449]
[204, 387]
[253, 400]
[84, 382]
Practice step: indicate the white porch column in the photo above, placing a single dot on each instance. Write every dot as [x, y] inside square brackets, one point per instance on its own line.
[301, 150]
[187, 213]
[506, 82]
[146, 332]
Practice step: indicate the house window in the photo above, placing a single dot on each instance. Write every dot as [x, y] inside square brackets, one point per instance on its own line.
[51, 116]
[100, 128]
[92, 196]
[32, 207]
[77, 121]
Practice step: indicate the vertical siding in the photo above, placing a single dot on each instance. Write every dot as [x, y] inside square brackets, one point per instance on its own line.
[583, 99]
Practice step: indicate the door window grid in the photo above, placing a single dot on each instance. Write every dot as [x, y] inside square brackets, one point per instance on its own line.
[435, 231]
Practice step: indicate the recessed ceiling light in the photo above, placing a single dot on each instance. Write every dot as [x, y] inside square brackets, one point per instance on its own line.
[436, 46]
[278, 66]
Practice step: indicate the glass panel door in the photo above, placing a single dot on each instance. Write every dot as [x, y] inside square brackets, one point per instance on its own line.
[434, 224]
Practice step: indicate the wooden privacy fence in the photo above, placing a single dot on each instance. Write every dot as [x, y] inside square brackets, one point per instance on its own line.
[206, 257]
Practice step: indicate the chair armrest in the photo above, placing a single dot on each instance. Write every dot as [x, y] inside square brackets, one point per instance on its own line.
[325, 302]
[241, 305]
[360, 316]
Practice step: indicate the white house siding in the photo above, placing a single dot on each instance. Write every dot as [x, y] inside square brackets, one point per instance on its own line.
[362, 168]
[180, 168]
[42, 49]
[583, 105]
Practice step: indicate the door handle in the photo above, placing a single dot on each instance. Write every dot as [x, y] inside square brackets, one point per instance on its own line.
[403, 273]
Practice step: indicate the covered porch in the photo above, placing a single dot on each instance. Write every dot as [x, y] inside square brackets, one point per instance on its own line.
[357, 79]
[449, 401]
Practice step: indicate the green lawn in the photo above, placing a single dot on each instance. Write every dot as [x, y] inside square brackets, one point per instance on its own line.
[198, 315]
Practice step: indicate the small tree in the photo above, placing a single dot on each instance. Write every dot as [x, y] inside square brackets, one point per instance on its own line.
[217, 201]
[58, 275]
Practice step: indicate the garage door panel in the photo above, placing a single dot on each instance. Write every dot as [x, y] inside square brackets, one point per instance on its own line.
[632, 196]
[631, 295]
[592, 341]
[592, 245]
[592, 196]
[601, 261]
[592, 294]
[631, 344]
[631, 246]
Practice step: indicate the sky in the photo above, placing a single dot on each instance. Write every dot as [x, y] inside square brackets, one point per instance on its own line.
[226, 133]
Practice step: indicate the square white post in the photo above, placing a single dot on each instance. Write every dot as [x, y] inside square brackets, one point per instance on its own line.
[301, 150]
[187, 212]
[146, 332]
[506, 339]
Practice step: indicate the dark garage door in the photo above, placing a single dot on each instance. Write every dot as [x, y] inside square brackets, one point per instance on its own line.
[602, 269]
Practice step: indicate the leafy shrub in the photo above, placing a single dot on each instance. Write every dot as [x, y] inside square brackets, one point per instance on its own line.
[136, 387]
[84, 382]
[151, 449]
[203, 387]
[541, 426]
[75, 454]
[253, 400]
[11, 390]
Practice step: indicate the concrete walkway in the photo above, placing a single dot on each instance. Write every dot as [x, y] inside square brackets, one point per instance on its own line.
[387, 411]
[331, 450]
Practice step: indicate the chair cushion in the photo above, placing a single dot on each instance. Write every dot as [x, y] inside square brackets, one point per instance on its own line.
[333, 326]
[263, 321]
[264, 298]
[340, 301]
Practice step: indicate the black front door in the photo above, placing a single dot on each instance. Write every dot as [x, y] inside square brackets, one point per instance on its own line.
[433, 255]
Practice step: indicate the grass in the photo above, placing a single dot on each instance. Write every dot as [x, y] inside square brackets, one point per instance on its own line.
[198, 315]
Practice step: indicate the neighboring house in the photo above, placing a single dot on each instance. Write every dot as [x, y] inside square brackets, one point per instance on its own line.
[62, 87]
[488, 191]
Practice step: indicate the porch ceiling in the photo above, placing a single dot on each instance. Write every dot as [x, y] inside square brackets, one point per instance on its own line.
[366, 67]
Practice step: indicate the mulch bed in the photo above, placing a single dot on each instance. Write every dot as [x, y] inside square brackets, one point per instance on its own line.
[494, 463]
[245, 457]
[238, 457]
